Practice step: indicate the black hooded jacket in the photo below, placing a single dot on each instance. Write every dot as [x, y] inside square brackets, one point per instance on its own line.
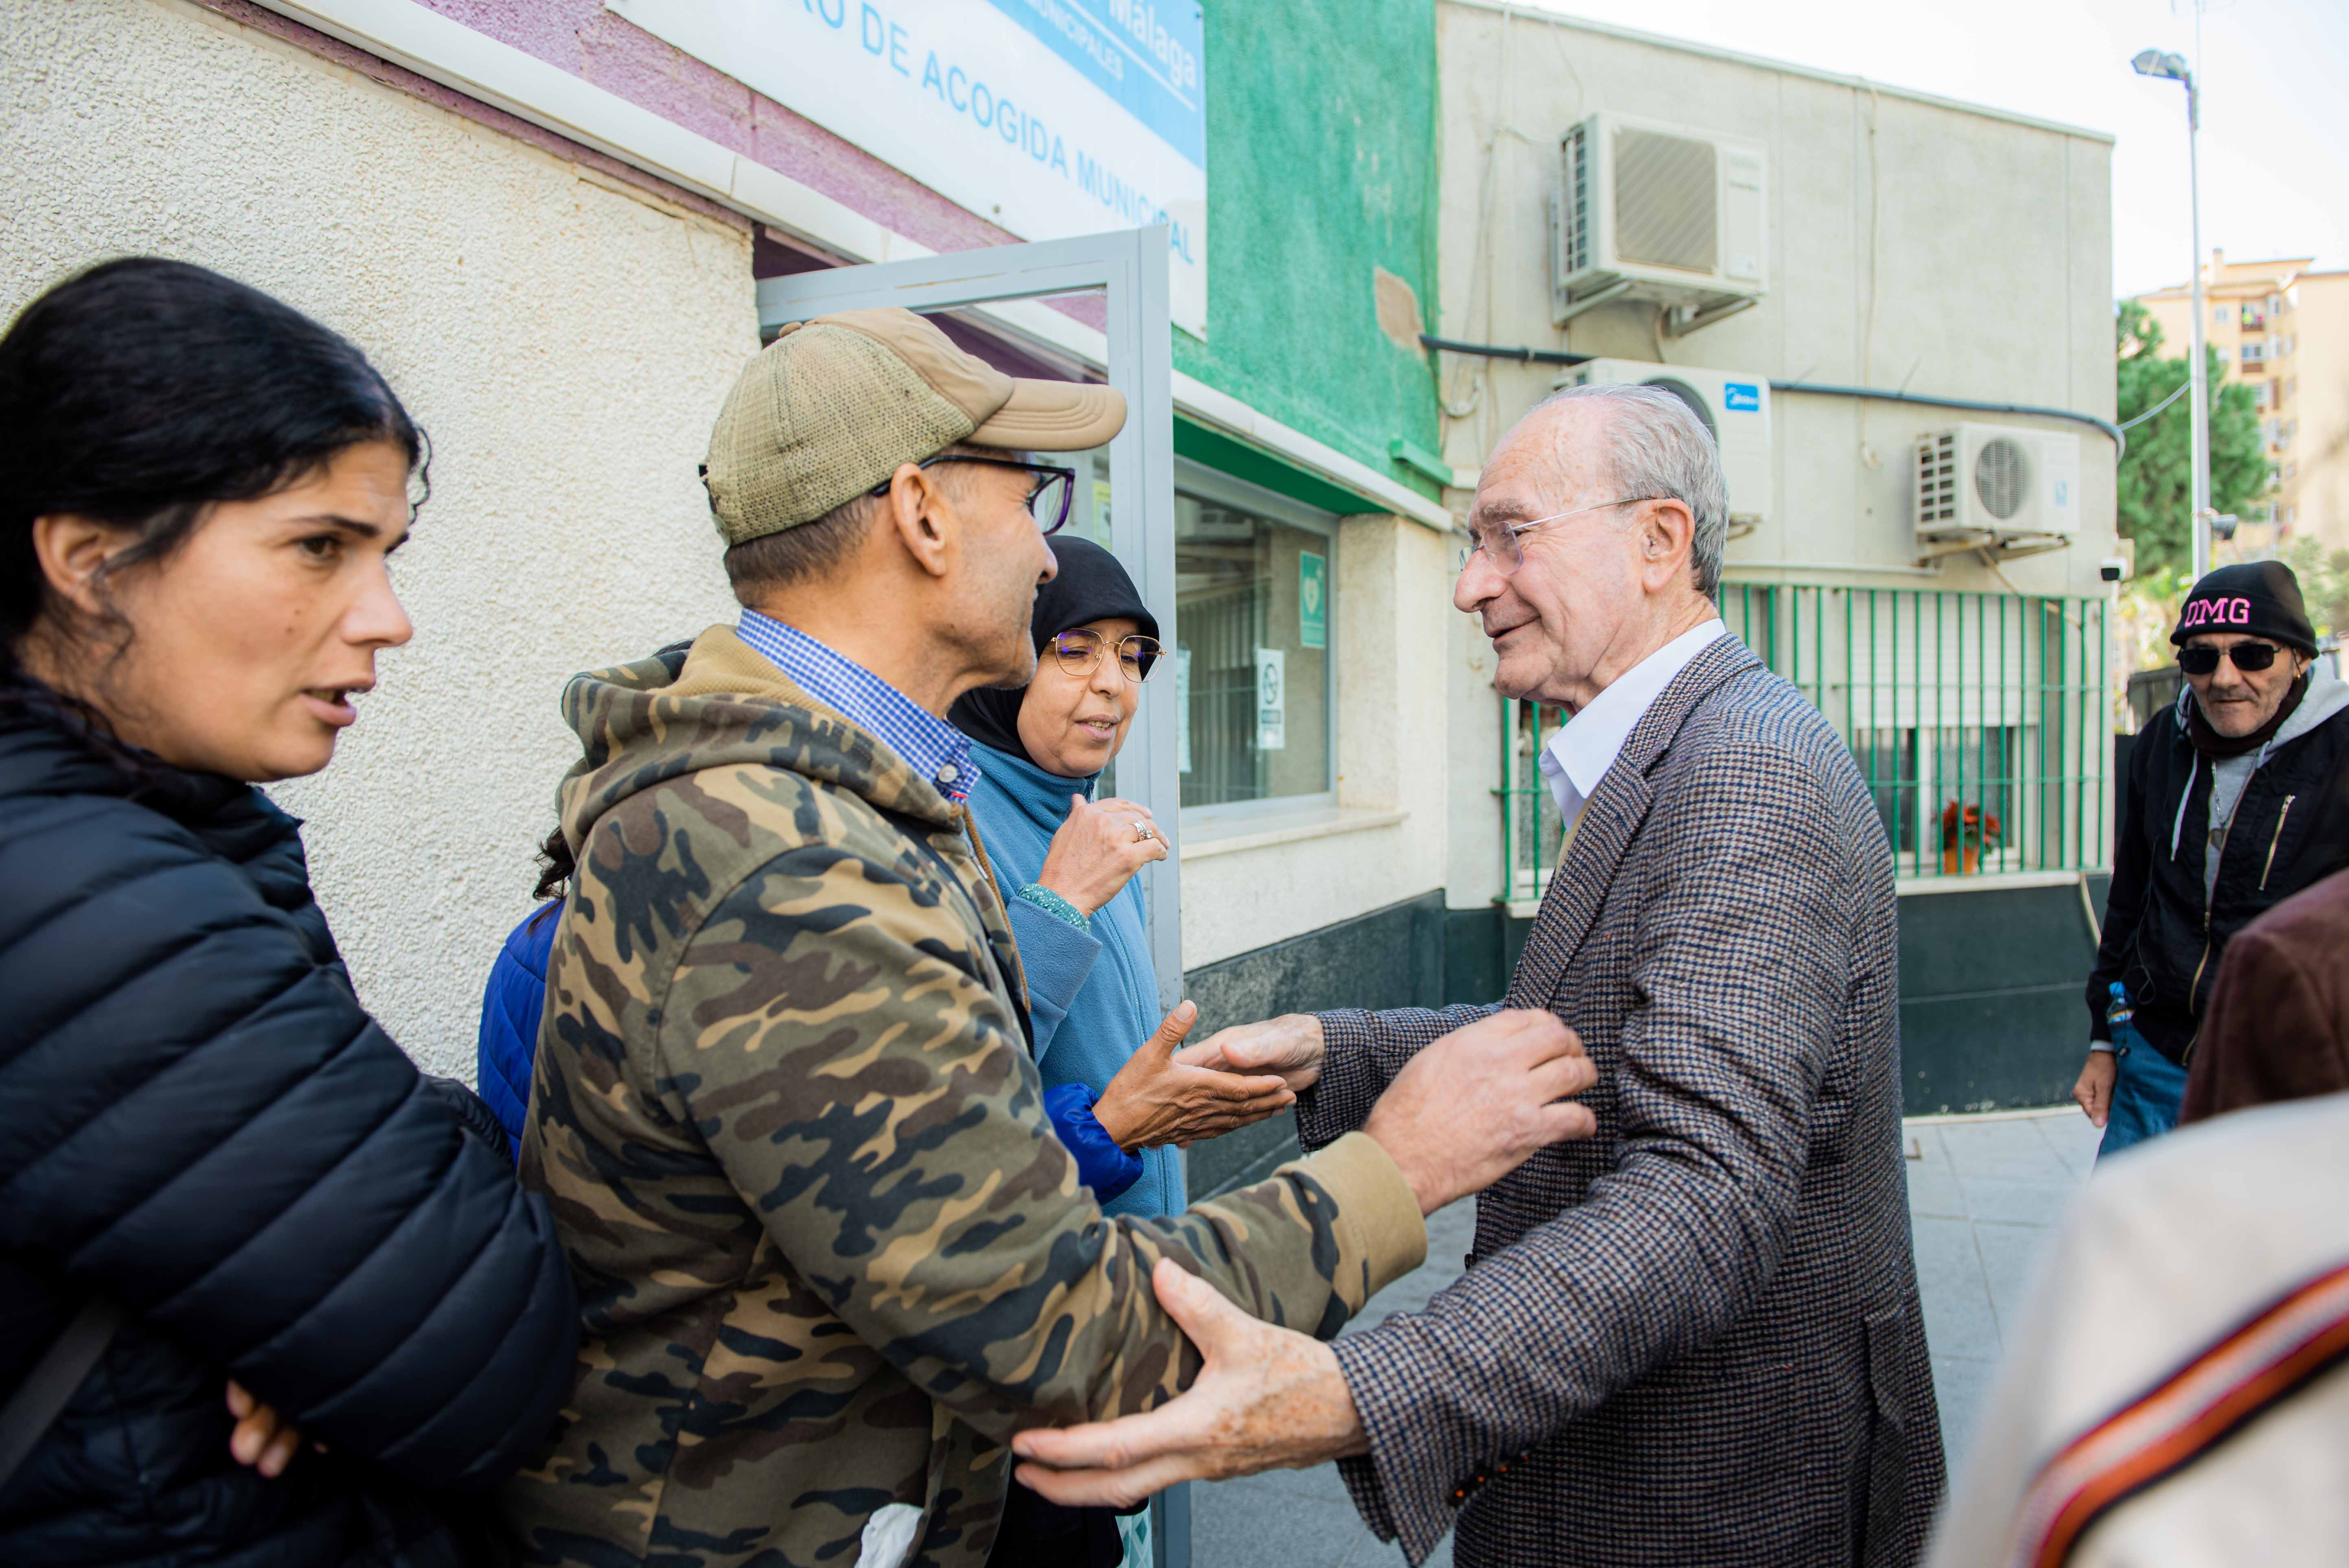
[2289, 829]
[199, 1121]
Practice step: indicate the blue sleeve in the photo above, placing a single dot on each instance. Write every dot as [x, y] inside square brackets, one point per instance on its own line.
[511, 1007]
[1058, 958]
[1102, 1165]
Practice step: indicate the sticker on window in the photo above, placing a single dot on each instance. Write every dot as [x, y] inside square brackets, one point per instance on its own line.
[1271, 699]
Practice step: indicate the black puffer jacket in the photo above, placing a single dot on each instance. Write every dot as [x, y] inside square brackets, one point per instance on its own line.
[2290, 830]
[198, 1120]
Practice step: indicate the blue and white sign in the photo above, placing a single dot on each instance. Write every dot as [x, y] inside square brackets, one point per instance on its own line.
[1741, 397]
[1050, 118]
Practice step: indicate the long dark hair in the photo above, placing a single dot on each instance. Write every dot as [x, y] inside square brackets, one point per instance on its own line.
[556, 866]
[141, 393]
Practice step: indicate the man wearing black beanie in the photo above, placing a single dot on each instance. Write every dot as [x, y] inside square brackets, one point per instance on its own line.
[2239, 797]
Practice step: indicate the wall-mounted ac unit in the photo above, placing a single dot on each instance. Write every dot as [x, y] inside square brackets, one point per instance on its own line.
[1652, 212]
[1735, 407]
[1996, 490]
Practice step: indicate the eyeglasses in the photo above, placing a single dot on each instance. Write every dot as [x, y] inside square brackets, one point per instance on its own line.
[1048, 495]
[1499, 540]
[2245, 657]
[1079, 653]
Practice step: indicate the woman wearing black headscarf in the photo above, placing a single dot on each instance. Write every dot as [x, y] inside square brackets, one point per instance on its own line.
[1066, 861]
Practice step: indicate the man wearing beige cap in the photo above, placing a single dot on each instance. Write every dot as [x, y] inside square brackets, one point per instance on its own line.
[831, 1255]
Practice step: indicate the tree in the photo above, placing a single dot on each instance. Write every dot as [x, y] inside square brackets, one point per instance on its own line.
[2324, 582]
[2157, 474]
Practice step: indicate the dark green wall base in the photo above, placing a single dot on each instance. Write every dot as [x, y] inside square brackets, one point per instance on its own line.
[1991, 983]
[1992, 996]
[1992, 1010]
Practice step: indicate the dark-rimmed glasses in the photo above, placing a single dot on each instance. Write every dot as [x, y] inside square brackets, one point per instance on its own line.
[1079, 653]
[1498, 541]
[1047, 495]
[2245, 657]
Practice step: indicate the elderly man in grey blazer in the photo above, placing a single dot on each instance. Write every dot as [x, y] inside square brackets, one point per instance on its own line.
[1693, 1338]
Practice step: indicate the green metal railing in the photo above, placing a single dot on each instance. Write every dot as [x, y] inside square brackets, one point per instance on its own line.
[1981, 722]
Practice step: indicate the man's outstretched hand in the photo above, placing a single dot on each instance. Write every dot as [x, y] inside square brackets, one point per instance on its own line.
[1289, 1045]
[1464, 1112]
[1157, 1097]
[1266, 1399]
[1476, 1104]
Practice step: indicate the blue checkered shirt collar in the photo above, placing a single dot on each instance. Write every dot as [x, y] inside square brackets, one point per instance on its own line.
[930, 746]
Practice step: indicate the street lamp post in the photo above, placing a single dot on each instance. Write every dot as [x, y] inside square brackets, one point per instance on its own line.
[2172, 67]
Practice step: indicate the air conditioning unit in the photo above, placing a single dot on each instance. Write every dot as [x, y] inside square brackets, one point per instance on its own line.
[1996, 490]
[1735, 407]
[1652, 212]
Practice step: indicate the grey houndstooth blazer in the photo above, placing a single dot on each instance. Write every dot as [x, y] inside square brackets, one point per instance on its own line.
[1695, 1338]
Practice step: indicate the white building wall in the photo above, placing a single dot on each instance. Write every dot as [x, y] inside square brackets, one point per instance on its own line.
[1915, 242]
[565, 339]
[1472, 877]
[1257, 880]
[2322, 408]
[1911, 242]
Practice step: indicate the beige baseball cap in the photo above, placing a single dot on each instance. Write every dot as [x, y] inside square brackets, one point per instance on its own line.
[829, 409]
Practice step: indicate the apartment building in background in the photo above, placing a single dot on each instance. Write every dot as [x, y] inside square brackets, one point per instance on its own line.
[2282, 328]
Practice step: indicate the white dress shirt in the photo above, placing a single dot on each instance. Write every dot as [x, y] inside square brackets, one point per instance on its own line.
[1580, 755]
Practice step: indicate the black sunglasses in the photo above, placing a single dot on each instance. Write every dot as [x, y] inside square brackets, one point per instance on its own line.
[1047, 495]
[2246, 656]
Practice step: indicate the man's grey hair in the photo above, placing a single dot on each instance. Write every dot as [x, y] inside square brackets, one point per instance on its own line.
[1657, 447]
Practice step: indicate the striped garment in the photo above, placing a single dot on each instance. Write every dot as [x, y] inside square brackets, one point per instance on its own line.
[930, 746]
[2246, 1373]
[2176, 1394]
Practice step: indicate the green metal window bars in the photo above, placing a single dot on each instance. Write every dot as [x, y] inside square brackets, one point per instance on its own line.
[1982, 723]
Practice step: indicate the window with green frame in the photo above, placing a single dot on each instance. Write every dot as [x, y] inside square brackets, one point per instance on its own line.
[1980, 722]
[1254, 665]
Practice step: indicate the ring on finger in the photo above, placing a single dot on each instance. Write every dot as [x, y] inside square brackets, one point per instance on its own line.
[1144, 833]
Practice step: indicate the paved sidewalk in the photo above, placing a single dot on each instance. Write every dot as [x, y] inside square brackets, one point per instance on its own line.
[1983, 1193]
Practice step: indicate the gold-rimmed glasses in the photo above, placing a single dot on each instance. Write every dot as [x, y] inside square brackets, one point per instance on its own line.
[1079, 653]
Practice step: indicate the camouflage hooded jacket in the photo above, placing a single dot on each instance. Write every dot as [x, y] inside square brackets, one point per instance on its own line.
[830, 1254]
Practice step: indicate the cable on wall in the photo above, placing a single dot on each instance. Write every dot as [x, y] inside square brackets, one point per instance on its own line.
[1819, 388]
[1494, 351]
[1884, 394]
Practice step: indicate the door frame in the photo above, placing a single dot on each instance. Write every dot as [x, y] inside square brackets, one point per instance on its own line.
[1129, 267]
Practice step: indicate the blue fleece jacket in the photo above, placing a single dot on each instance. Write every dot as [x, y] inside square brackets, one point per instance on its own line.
[1114, 1005]
[507, 1049]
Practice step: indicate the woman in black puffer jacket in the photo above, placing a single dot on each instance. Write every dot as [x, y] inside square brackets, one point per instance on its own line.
[201, 1130]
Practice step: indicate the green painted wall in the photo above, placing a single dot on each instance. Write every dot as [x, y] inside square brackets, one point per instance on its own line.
[1321, 167]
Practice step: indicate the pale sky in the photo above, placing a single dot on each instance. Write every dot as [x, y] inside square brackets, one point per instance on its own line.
[2275, 99]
